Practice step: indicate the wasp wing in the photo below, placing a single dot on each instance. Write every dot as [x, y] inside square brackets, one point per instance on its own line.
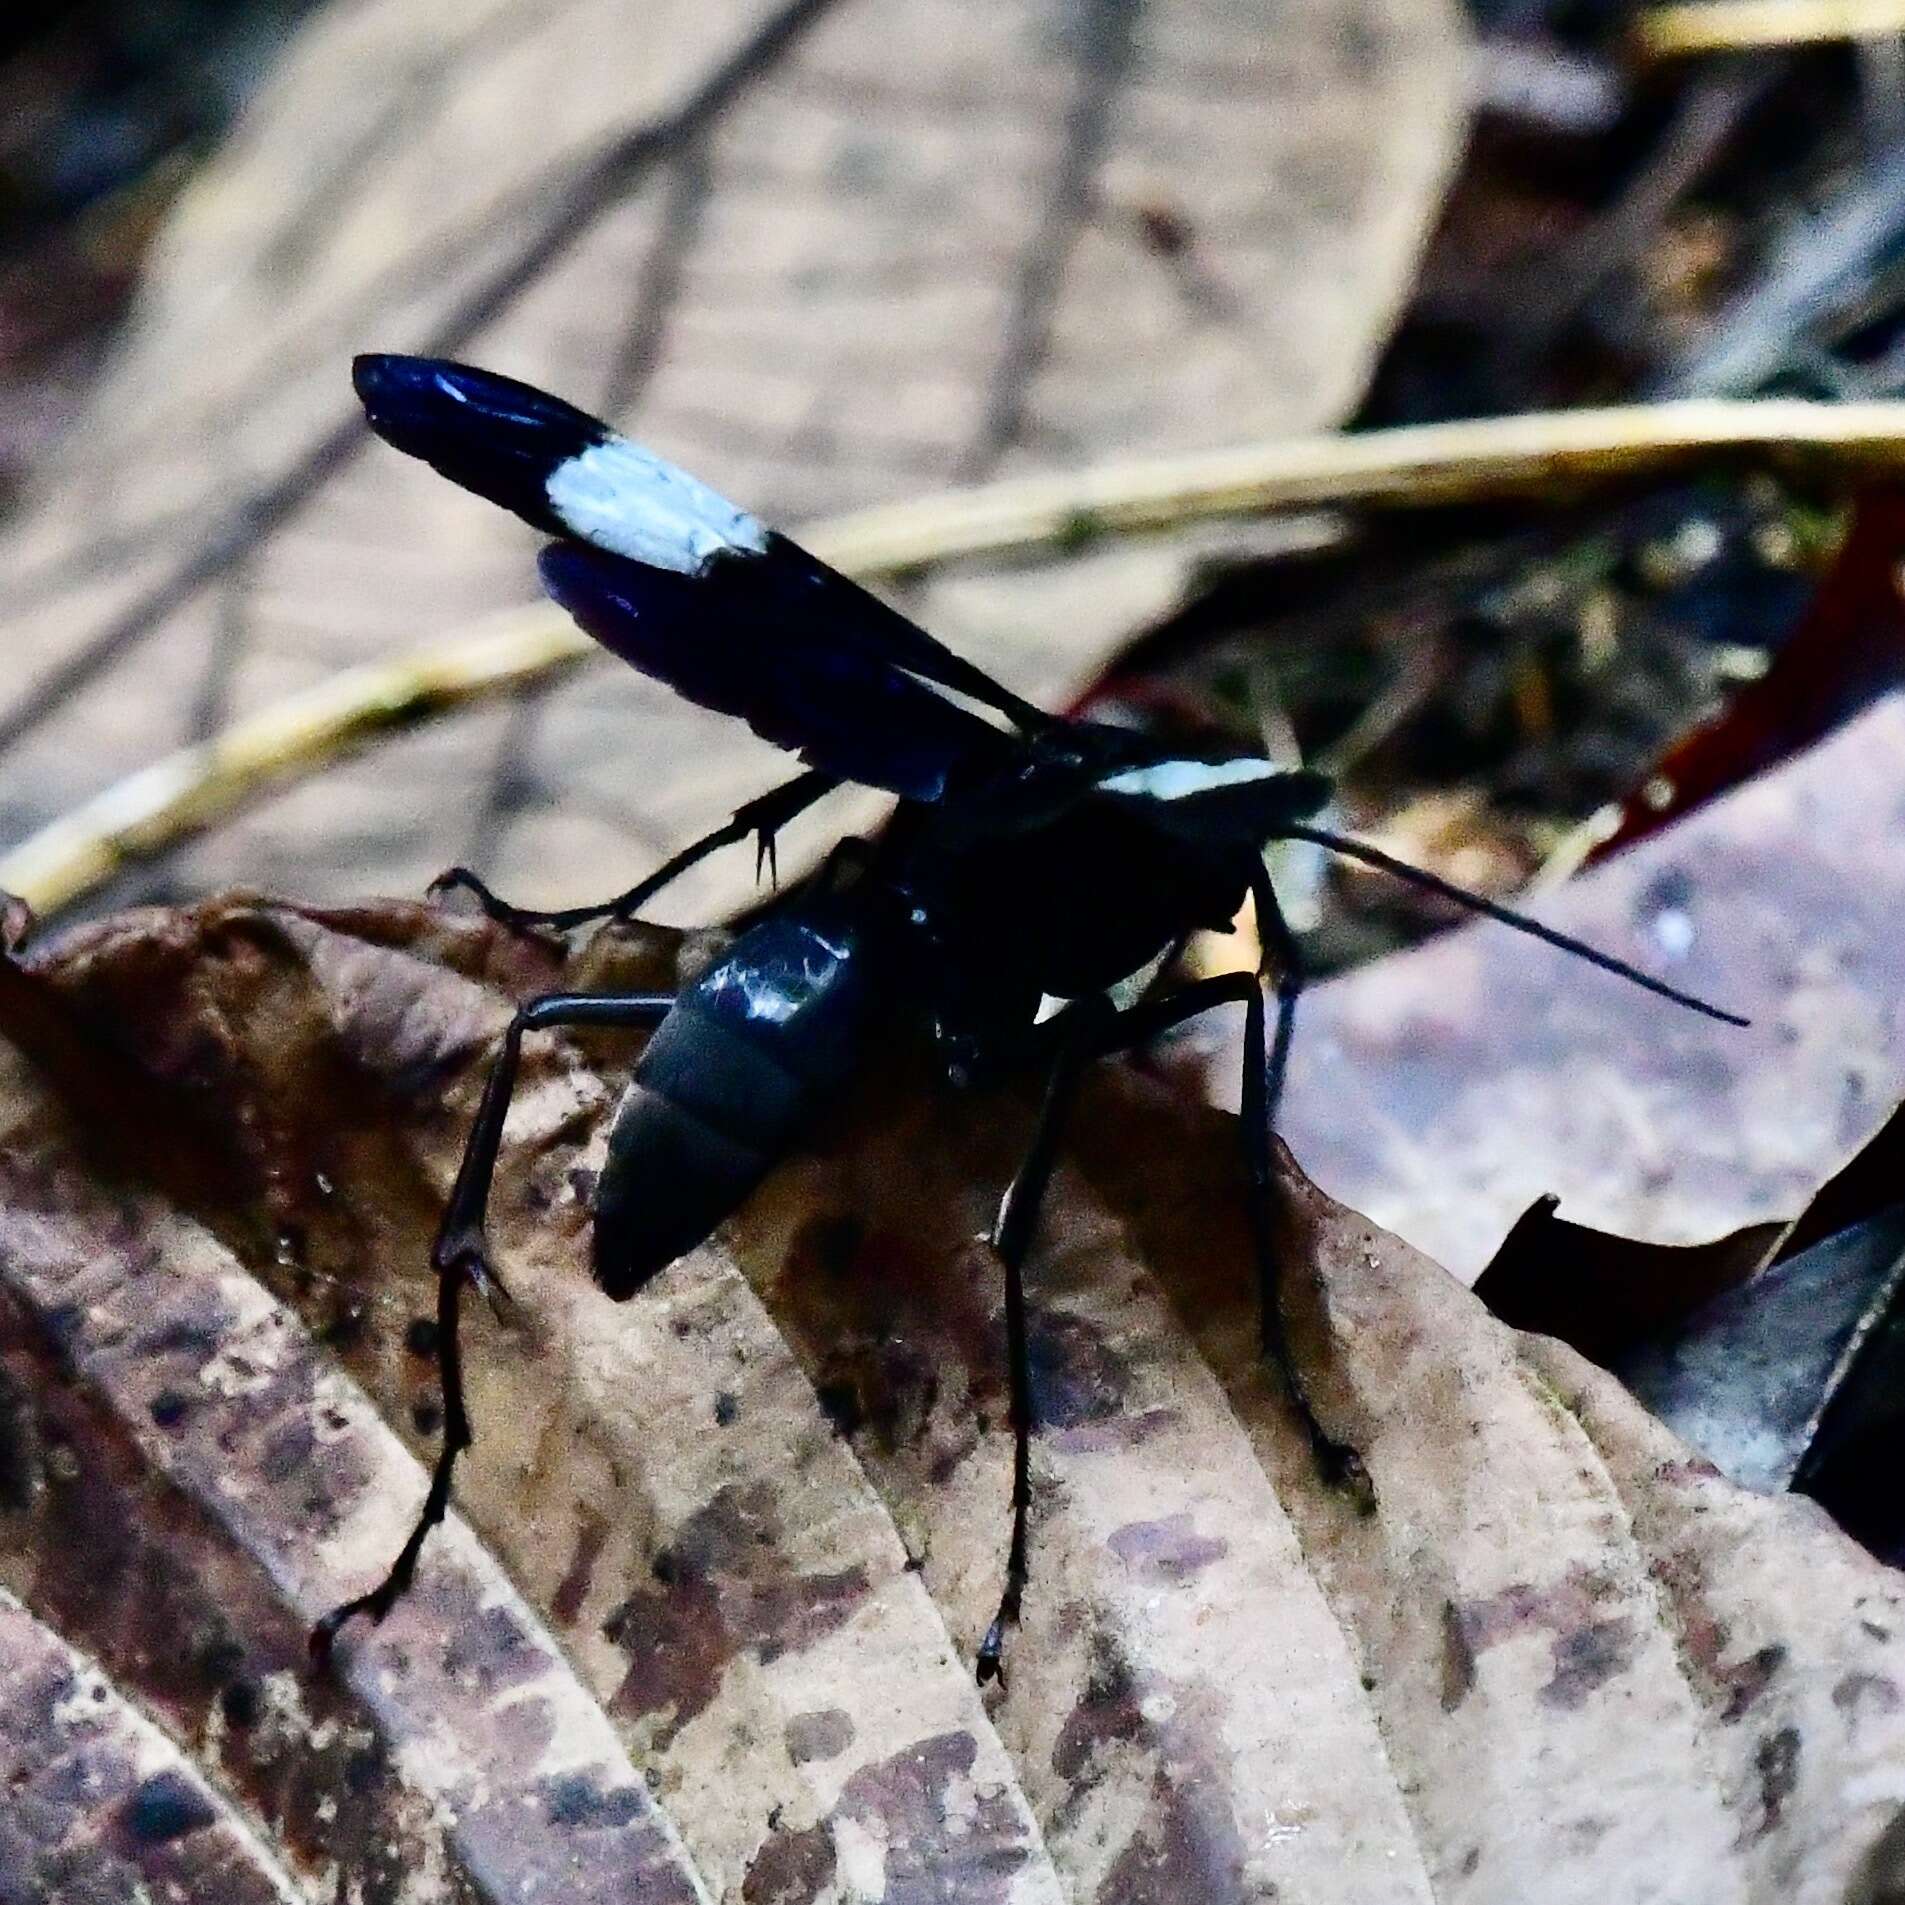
[569, 474]
[742, 638]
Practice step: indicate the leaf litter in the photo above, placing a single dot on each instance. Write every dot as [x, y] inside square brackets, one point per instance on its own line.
[723, 1553]
[1775, 1351]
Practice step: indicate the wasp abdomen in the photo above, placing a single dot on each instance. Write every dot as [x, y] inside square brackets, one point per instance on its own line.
[725, 1089]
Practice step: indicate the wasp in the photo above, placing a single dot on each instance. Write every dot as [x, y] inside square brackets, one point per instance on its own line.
[1034, 882]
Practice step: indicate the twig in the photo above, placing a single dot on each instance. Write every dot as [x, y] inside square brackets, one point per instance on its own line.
[1704, 123]
[1422, 464]
[1811, 274]
[163, 804]
[1738, 26]
[186, 792]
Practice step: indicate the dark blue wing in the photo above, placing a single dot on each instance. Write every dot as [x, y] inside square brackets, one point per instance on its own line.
[742, 638]
[489, 434]
[569, 474]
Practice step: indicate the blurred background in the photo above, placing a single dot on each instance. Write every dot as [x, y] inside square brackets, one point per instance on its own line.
[837, 256]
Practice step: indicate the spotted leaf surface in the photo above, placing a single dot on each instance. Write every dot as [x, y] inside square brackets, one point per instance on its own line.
[703, 1622]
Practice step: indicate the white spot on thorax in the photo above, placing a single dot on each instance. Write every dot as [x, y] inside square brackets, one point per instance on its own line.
[626, 500]
[1177, 780]
[1122, 994]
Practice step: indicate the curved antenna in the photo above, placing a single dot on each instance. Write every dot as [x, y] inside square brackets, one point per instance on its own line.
[1434, 883]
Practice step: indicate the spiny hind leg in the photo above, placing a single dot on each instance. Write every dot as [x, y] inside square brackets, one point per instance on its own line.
[762, 818]
[460, 1257]
[1266, 1059]
[1011, 1240]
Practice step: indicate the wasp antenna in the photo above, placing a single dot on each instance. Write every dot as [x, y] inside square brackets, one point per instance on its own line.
[1448, 890]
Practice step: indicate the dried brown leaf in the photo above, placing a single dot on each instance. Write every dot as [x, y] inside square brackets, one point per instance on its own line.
[1600, 1292]
[822, 254]
[729, 1547]
[1446, 1090]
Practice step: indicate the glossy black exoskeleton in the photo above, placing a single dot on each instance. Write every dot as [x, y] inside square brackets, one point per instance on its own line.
[751, 1051]
[1037, 875]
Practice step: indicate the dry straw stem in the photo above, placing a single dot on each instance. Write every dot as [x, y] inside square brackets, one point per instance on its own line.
[194, 788]
[1738, 26]
[1543, 455]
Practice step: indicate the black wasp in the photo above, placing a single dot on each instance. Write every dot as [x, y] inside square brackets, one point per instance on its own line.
[1037, 876]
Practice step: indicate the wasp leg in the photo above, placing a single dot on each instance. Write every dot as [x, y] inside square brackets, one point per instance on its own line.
[459, 1256]
[762, 818]
[1086, 1032]
[1282, 965]
[1265, 1062]
[1266, 1059]
[1011, 1239]
[1094, 1035]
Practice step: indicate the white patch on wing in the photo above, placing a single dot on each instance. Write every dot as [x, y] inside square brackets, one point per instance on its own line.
[626, 500]
[1178, 780]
